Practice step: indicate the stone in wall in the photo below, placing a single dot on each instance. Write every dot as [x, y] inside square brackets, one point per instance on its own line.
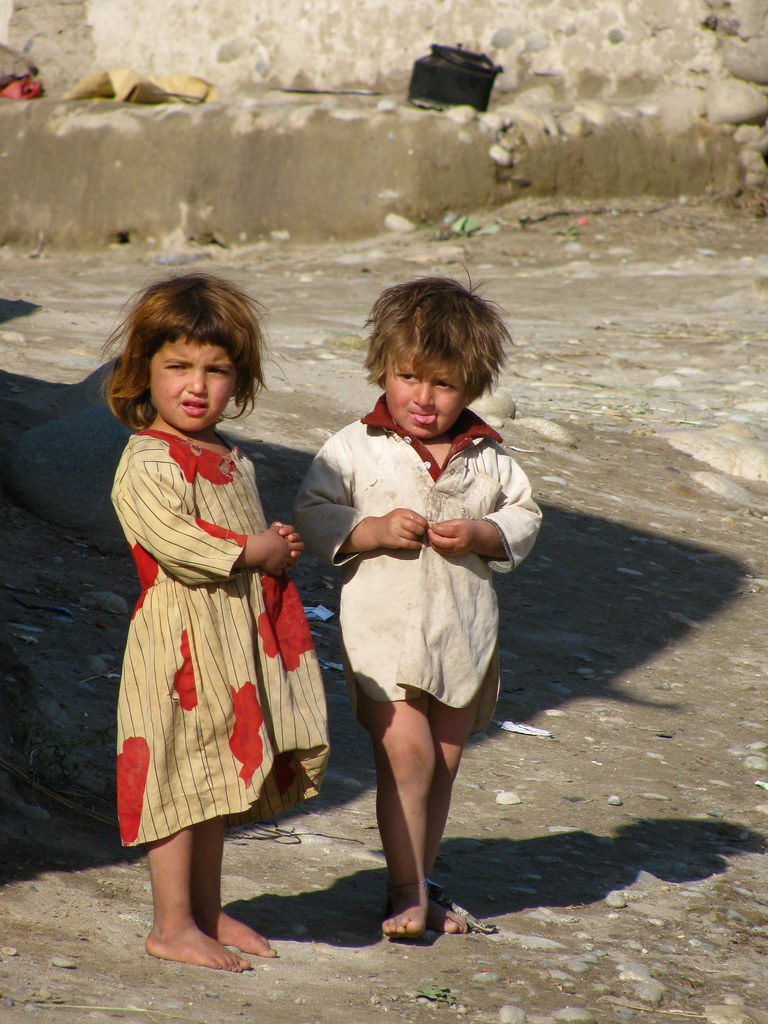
[57, 37]
[741, 27]
[736, 102]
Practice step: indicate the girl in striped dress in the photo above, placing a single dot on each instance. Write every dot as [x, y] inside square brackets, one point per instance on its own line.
[221, 713]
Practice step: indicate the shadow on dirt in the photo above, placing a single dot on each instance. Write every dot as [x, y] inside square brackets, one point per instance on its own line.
[562, 871]
[594, 599]
[12, 308]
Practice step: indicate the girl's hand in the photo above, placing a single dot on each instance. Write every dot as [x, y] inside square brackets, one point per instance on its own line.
[400, 528]
[289, 533]
[274, 551]
[462, 536]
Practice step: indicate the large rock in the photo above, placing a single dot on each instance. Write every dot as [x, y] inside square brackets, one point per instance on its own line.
[735, 449]
[63, 471]
[734, 102]
[742, 33]
[747, 60]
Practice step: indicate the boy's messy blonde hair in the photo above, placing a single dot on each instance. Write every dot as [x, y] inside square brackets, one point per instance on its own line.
[435, 322]
[198, 308]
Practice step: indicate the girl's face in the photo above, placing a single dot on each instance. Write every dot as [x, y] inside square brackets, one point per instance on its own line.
[191, 386]
[426, 404]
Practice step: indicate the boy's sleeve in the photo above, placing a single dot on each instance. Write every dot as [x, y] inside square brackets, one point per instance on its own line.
[324, 512]
[153, 503]
[517, 517]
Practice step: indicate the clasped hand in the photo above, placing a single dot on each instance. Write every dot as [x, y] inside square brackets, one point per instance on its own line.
[274, 551]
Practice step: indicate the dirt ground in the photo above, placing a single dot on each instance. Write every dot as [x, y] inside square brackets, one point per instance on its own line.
[621, 857]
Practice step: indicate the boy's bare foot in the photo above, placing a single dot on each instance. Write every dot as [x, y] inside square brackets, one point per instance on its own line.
[191, 946]
[231, 932]
[441, 919]
[408, 906]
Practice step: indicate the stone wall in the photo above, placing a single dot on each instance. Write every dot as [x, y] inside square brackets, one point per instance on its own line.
[595, 97]
[587, 48]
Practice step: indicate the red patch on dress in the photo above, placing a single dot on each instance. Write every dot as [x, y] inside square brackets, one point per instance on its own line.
[284, 770]
[221, 532]
[132, 769]
[181, 452]
[193, 460]
[283, 625]
[215, 468]
[245, 741]
[184, 678]
[147, 569]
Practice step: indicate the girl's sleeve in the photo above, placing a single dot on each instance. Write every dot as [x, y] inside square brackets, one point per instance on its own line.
[155, 504]
[324, 512]
[517, 517]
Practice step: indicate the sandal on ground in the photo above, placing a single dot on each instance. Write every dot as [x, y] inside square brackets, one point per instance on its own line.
[437, 894]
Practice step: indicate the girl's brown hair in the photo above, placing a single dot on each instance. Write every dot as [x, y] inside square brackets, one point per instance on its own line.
[200, 308]
[435, 322]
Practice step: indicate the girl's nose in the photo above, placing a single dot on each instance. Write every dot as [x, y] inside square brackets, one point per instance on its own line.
[196, 382]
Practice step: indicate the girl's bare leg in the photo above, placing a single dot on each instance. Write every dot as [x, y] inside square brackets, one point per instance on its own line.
[405, 759]
[175, 934]
[207, 852]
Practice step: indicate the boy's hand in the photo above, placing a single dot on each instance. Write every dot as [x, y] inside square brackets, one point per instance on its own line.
[462, 536]
[400, 528]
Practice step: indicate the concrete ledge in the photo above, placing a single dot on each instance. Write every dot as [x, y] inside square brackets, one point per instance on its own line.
[80, 174]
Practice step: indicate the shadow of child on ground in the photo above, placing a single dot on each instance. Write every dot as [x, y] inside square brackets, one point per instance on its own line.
[499, 877]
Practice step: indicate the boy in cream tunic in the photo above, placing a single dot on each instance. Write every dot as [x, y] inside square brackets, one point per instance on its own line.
[419, 504]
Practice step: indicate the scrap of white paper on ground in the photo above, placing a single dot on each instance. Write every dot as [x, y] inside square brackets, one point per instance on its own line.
[526, 730]
[319, 612]
[335, 666]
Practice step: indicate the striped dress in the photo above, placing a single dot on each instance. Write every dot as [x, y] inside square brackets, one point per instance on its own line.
[221, 710]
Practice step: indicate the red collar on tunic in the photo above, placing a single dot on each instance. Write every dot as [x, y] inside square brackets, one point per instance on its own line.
[185, 452]
[467, 428]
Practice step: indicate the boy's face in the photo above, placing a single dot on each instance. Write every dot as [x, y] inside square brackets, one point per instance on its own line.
[427, 403]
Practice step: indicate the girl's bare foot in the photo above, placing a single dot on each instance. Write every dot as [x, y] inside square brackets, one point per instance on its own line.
[191, 946]
[231, 932]
[408, 906]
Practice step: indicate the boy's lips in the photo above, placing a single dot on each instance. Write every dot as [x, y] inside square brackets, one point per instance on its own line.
[424, 419]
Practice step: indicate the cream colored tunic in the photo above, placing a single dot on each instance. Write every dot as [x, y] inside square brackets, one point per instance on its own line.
[416, 621]
[221, 709]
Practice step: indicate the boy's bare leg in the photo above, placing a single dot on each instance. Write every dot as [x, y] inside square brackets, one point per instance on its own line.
[450, 728]
[175, 934]
[207, 852]
[405, 759]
